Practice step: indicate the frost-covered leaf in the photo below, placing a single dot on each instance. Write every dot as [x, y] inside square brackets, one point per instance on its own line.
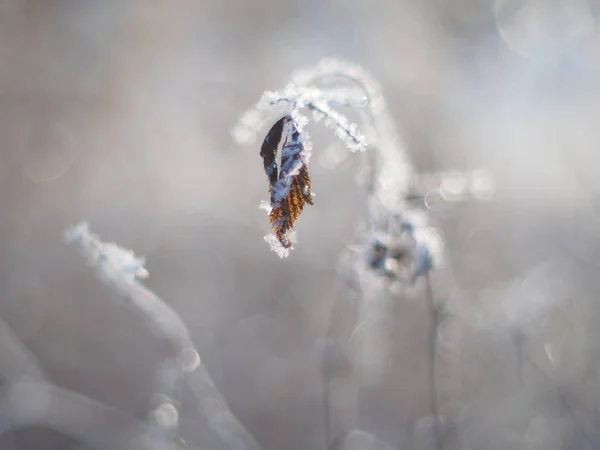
[289, 182]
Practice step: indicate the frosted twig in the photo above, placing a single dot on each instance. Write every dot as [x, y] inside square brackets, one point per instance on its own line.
[296, 97]
[119, 268]
[434, 314]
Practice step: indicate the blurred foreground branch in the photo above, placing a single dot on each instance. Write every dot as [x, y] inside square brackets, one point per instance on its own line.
[119, 268]
[28, 403]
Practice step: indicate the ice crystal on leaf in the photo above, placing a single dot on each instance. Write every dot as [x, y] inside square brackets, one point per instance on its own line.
[289, 182]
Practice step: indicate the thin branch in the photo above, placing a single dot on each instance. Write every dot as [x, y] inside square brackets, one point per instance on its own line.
[336, 119]
[337, 122]
[120, 269]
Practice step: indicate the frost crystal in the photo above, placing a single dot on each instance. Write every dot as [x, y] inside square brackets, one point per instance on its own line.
[277, 247]
[113, 257]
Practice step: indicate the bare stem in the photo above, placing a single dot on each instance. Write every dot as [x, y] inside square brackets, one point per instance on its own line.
[185, 365]
[435, 319]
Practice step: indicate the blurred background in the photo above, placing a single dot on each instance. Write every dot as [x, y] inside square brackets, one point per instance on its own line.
[119, 112]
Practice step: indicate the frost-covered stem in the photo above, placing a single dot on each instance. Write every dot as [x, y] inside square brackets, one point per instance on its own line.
[37, 403]
[314, 107]
[164, 405]
[339, 125]
[119, 268]
[170, 377]
[220, 418]
[110, 261]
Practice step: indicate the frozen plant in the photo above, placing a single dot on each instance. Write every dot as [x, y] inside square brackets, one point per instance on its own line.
[286, 149]
[397, 239]
[323, 91]
[120, 258]
[396, 242]
[121, 269]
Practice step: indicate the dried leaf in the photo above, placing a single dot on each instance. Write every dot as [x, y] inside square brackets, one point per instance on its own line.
[289, 182]
[268, 150]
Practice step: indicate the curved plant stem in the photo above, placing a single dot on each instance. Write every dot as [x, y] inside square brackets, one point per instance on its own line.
[433, 338]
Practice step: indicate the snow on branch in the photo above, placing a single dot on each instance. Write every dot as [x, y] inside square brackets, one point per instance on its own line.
[121, 269]
[295, 98]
